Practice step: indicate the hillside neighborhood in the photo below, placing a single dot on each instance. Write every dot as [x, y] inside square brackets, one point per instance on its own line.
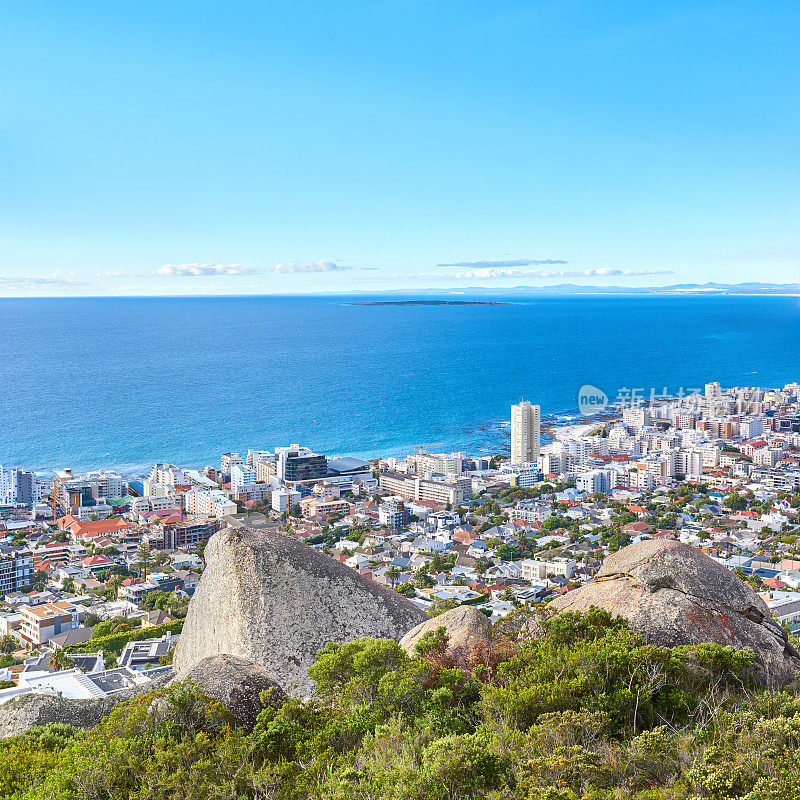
[97, 569]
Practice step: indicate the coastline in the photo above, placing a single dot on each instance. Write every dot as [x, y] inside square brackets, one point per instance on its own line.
[556, 427]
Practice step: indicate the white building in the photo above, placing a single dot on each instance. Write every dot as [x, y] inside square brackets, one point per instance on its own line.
[284, 498]
[525, 433]
[523, 475]
[242, 476]
[255, 456]
[689, 462]
[535, 570]
[227, 461]
[8, 489]
[144, 505]
[164, 478]
[208, 502]
[532, 511]
[444, 463]
[596, 480]
[751, 427]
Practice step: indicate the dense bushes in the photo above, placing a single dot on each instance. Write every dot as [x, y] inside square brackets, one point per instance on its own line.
[116, 641]
[586, 710]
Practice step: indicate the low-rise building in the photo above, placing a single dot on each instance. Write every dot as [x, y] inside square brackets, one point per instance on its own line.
[41, 622]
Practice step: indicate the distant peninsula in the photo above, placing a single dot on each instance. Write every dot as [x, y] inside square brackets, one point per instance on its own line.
[427, 303]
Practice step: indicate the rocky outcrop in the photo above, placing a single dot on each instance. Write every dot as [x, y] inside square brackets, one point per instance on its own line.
[27, 710]
[673, 594]
[269, 599]
[464, 625]
[236, 684]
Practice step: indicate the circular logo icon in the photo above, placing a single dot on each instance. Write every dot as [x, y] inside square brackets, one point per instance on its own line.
[591, 400]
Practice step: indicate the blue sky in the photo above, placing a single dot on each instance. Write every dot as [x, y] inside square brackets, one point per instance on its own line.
[174, 147]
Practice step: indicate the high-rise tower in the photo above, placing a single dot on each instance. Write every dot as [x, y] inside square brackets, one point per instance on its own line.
[525, 433]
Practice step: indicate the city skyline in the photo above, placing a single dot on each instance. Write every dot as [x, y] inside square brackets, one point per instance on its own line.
[212, 149]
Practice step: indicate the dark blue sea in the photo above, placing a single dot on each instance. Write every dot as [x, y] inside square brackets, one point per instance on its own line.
[125, 382]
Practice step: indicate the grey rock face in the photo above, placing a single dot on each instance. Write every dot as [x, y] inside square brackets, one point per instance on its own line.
[463, 624]
[271, 600]
[673, 594]
[27, 710]
[237, 684]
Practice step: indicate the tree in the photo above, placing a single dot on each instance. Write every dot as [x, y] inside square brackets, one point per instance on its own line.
[8, 644]
[113, 584]
[481, 565]
[59, 660]
[422, 579]
[38, 582]
[144, 559]
[114, 625]
[735, 502]
[393, 574]
[438, 607]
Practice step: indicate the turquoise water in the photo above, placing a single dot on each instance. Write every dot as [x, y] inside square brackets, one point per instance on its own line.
[127, 381]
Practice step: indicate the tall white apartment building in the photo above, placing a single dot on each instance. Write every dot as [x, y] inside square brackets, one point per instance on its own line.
[596, 480]
[751, 427]
[227, 461]
[711, 455]
[254, 456]
[636, 416]
[553, 463]
[575, 452]
[689, 462]
[241, 476]
[8, 487]
[713, 390]
[163, 479]
[525, 433]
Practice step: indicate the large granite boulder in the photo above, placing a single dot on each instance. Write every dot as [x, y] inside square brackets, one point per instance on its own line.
[673, 594]
[269, 599]
[237, 684]
[463, 624]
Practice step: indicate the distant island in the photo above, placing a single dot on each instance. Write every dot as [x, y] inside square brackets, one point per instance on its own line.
[427, 303]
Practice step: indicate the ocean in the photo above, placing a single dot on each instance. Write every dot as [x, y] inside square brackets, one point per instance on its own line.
[125, 382]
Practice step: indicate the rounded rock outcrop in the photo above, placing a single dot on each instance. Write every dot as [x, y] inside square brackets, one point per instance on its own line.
[38, 708]
[236, 684]
[673, 594]
[269, 599]
[463, 625]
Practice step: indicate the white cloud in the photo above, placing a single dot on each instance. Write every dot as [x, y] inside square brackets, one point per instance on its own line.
[601, 272]
[314, 266]
[29, 282]
[292, 267]
[513, 262]
[189, 270]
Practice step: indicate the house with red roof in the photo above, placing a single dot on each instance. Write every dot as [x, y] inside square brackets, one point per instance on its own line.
[97, 563]
[637, 528]
[640, 511]
[92, 529]
[748, 448]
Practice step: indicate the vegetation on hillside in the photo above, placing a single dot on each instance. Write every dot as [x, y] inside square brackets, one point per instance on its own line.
[587, 710]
